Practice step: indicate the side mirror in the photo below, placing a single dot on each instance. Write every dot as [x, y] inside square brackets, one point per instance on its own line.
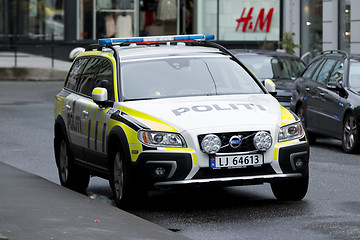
[270, 86]
[100, 97]
[334, 86]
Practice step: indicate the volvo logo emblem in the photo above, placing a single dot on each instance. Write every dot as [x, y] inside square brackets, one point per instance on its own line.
[235, 141]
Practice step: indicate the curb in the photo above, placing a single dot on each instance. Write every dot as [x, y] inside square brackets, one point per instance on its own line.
[32, 74]
[2, 237]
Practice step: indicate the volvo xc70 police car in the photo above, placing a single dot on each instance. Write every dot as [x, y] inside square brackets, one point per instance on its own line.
[171, 111]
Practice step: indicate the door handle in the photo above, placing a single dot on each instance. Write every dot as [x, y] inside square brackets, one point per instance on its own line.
[85, 113]
[322, 94]
[68, 107]
[307, 89]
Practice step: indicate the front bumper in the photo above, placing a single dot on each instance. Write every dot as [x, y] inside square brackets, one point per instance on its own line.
[178, 169]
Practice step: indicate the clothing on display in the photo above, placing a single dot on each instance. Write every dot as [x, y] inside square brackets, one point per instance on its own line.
[124, 26]
[167, 10]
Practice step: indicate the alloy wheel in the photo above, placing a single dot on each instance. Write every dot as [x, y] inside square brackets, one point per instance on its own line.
[63, 162]
[118, 176]
[349, 134]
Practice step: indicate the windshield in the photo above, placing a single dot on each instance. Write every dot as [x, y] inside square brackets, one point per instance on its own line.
[354, 76]
[273, 67]
[184, 76]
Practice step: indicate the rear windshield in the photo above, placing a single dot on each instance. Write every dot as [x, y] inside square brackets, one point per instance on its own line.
[184, 76]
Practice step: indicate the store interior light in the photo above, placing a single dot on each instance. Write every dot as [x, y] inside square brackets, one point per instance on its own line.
[308, 23]
[347, 33]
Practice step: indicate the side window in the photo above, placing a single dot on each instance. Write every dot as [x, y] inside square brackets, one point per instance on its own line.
[88, 76]
[75, 73]
[309, 71]
[105, 78]
[337, 73]
[325, 71]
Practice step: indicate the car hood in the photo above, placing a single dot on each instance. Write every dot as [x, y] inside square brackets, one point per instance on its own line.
[209, 112]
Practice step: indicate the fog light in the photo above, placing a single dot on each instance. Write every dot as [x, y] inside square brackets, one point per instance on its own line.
[160, 171]
[299, 163]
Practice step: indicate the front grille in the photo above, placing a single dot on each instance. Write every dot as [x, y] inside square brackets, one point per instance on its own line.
[247, 144]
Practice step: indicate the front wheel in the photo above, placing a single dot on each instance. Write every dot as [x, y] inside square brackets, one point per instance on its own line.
[350, 140]
[300, 112]
[125, 190]
[71, 176]
[292, 189]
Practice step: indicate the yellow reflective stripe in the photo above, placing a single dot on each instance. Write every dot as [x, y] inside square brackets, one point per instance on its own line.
[134, 143]
[194, 157]
[180, 149]
[286, 116]
[87, 121]
[276, 154]
[284, 143]
[153, 123]
[101, 123]
[93, 123]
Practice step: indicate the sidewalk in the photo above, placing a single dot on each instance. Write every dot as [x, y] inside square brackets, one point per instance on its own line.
[31, 67]
[34, 208]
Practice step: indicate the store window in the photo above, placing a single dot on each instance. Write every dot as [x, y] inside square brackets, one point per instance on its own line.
[344, 24]
[107, 18]
[311, 27]
[41, 19]
[158, 17]
[234, 20]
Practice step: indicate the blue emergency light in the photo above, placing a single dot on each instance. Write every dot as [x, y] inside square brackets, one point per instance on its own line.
[156, 39]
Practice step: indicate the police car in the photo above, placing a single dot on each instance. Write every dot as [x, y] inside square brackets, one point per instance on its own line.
[157, 112]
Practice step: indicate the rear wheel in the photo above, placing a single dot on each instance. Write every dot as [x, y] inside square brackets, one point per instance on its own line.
[71, 176]
[292, 189]
[350, 140]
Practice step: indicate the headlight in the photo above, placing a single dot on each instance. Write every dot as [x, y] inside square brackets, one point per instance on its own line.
[160, 139]
[211, 144]
[262, 141]
[291, 131]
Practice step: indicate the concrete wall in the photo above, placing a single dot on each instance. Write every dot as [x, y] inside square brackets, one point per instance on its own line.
[330, 24]
[354, 27]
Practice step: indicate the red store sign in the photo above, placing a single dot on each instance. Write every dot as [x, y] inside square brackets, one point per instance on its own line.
[249, 23]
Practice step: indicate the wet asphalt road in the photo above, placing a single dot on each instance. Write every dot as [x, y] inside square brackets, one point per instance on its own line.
[331, 209]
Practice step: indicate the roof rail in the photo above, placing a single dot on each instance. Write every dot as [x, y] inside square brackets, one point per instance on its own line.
[344, 53]
[156, 39]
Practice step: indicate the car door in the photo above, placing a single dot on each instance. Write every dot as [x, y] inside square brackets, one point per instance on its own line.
[319, 102]
[83, 102]
[71, 120]
[330, 122]
[308, 89]
[98, 116]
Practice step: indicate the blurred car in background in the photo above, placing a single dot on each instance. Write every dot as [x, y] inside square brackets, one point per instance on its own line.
[280, 67]
[327, 98]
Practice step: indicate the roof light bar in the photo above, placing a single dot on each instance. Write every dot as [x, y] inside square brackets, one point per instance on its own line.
[156, 39]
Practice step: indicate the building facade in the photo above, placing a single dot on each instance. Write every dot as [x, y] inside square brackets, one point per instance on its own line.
[318, 24]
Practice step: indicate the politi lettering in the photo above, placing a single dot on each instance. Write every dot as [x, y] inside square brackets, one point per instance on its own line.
[216, 107]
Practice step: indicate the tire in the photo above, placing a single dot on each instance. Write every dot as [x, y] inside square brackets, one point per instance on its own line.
[292, 189]
[71, 176]
[350, 141]
[301, 114]
[127, 191]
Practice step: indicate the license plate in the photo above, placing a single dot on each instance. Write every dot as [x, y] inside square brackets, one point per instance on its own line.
[236, 161]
